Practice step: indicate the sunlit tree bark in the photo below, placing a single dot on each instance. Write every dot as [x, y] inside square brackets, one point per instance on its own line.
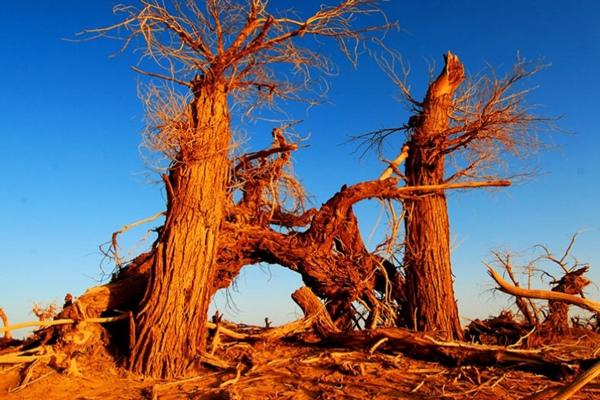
[429, 288]
[458, 133]
[220, 52]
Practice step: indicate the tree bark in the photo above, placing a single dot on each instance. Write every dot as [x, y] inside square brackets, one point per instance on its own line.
[572, 283]
[171, 323]
[429, 289]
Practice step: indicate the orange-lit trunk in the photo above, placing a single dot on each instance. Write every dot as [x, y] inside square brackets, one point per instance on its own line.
[430, 304]
[171, 323]
[429, 284]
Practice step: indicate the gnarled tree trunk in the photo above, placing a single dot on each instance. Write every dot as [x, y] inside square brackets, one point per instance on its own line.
[430, 303]
[171, 322]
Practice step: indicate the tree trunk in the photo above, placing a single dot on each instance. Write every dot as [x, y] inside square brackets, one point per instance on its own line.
[171, 323]
[572, 283]
[429, 290]
[429, 283]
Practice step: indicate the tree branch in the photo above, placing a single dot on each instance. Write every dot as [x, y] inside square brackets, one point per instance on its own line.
[506, 287]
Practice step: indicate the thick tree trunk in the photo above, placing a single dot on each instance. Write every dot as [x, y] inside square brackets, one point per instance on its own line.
[430, 304]
[171, 329]
[429, 285]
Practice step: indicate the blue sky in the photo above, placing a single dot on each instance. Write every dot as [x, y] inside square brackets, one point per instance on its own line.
[71, 124]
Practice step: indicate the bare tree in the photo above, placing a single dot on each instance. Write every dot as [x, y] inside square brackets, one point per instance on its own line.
[218, 51]
[464, 128]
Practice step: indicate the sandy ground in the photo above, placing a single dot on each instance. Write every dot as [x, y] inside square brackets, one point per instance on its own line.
[287, 371]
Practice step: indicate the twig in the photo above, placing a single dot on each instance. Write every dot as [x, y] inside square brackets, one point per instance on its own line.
[416, 388]
[238, 374]
[521, 339]
[393, 165]
[26, 356]
[473, 346]
[376, 345]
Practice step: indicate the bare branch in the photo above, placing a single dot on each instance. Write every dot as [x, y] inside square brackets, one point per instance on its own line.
[169, 78]
[506, 287]
[127, 227]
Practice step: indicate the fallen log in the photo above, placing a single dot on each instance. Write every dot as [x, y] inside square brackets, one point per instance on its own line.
[423, 346]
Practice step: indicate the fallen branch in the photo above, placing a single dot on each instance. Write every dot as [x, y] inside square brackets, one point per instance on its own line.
[66, 321]
[26, 356]
[26, 378]
[569, 390]
[24, 385]
[590, 305]
[19, 359]
[269, 334]
[418, 344]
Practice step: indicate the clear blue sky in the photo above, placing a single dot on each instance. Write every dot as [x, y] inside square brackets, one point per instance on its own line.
[72, 173]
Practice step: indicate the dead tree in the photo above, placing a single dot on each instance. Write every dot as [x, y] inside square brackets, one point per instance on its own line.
[323, 245]
[429, 285]
[566, 291]
[216, 51]
[456, 134]
[573, 283]
[526, 306]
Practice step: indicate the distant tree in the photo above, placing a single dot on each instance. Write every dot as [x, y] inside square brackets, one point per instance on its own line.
[465, 128]
[225, 53]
